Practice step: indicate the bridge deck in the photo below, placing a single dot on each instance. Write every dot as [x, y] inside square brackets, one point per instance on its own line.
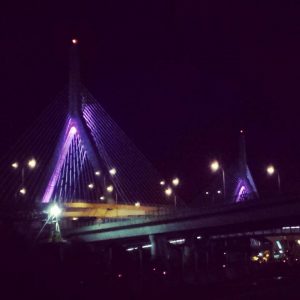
[105, 210]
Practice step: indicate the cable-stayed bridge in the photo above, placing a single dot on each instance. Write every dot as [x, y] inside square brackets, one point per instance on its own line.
[76, 156]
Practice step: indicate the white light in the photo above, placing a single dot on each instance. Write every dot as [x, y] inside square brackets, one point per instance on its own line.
[75, 219]
[110, 188]
[199, 237]
[15, 165]
[215, 166]
[224, 266]
[175, 181]
[177, 242]
[112, 171]
[54, 210]
[279, 245]
[162, 182]
[102, 198]
[219, 192]
[206, 193]
[131, 249]
[164, 272]
[32, 163]
[22, 191]
[137, 204]
[298, 242]
[147, 246]
[91, 186]
[168, 191]
[73, 130]
[97, 173]
[270, 170]
[74, 41]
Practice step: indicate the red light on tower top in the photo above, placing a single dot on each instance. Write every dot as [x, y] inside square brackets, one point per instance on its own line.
[74, 41]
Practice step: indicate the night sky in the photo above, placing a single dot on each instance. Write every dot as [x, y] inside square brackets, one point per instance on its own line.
[181, 78]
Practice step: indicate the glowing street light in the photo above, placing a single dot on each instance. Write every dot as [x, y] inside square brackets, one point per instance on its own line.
[110, 188]
[23, 191]
[175, 181]
[97, 173]
[15, 165]
[54, 211]
[102, 198]
[91, 186]
[271, 171]
[137, 204]
[168, 191]
[112, 171]
[215, 166]
[74, 41]
[31, 163]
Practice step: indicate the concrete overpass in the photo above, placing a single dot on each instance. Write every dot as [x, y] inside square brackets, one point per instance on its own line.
[240, 218]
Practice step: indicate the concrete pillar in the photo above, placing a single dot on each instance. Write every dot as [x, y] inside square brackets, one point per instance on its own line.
[159, 247]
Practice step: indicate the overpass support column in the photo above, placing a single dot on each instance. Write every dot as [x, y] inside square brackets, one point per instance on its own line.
[159, 247]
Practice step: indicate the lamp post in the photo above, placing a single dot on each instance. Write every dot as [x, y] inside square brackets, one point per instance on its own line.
[271, 171]
[30, 164]
[215, 167]
[54, 213]
[169, 191]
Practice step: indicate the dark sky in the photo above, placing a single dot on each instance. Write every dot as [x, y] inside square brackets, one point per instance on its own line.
[180, 77]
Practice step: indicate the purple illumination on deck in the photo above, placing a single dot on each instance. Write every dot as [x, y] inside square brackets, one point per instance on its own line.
[70, 132]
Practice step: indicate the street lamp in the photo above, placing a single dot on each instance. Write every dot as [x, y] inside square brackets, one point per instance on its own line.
[215, 167]
[31, 164]
[169, 191]
[54, 212]
[271, 171]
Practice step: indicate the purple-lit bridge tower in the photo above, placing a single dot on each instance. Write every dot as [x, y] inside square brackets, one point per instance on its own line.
[84, 161]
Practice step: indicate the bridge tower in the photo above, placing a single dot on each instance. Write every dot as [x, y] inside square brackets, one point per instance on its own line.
[74, 125]
[245, 186]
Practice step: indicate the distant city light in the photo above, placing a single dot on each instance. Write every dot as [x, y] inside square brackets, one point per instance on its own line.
[175, 181]
[110, 188]
[137, 204]
[73, 130]
[168, 191]
[15, 165]
[54, 211]
[270, 170]
[32, 163]
[206, 193]
[91, 186]
[113, 171]
[147, 246]
[102, 198]
[75, 219]
[97, 173]
[74, 41]
[23, 191]
[219, 192]
[241, 131]
[162, 182]
[215, 166]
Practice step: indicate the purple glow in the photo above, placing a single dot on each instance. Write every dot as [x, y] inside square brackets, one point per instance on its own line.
[240, 194]
[63, 153]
